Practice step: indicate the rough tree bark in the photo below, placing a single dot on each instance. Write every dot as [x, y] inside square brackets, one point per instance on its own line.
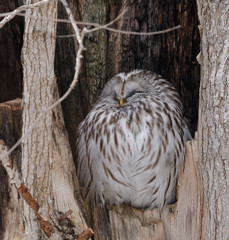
[213, 129]
[47, 164]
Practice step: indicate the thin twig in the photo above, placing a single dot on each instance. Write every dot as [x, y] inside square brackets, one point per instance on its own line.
[80, 38]
[129, 32]
[143, 33]
[110, 23]
[104, 27]
[65, 215]
[12, 14]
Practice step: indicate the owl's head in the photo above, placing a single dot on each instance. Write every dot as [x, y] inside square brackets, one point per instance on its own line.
[126, 88]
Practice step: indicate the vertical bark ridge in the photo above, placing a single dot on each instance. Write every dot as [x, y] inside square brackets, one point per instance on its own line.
[213, 129]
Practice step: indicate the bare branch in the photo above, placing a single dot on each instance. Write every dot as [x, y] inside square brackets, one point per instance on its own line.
[103, 27]
[11, 15]
[142, 33]
[128, 32]
[110, 23]
[65, 215]
[80, 38]
[106, 27]
[73, 22]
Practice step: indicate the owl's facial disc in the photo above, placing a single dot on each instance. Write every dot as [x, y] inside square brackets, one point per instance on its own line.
[126, 91]
[130, 90]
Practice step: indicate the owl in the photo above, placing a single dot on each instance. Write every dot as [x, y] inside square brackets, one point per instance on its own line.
[131, 144]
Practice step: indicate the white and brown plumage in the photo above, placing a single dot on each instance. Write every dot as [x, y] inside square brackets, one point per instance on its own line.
[131, 144]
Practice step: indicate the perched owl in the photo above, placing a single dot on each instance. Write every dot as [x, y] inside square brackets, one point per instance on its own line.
[131, 144]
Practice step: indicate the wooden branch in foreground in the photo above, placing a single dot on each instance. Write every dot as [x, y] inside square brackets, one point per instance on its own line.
[13, 174]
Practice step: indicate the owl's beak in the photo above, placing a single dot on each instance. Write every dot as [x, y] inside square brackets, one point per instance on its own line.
[121, 102]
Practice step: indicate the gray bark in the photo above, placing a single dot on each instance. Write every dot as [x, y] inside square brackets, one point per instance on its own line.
[213, 128]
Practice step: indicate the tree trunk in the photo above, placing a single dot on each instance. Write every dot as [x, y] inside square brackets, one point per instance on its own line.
[213, 128]
[47, 165]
